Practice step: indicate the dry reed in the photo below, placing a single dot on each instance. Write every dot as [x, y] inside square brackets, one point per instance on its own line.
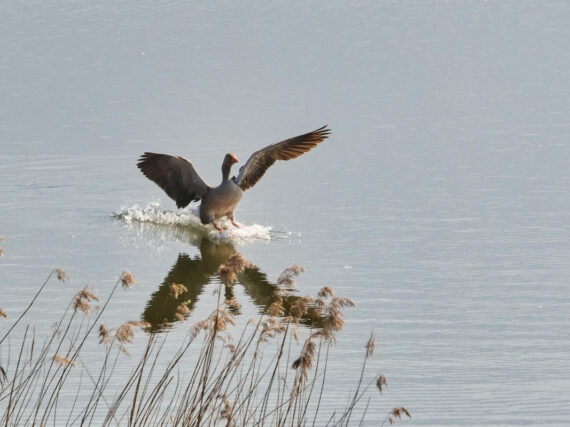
[62, 360]
[235, 379]
[182, 311]
[370, 345]
[397, 413]
[176, 290]
[285, 279]
[381, 382]
[83, 298]
[229, 270]
[127, 279]
[61, 275]
[105, 336]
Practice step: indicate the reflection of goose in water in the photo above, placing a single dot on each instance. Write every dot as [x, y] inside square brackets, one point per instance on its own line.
[195, 273]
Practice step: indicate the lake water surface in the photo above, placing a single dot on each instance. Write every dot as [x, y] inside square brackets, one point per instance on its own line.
[440, 203]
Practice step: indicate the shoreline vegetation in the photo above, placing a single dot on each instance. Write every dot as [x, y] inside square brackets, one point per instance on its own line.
[238, 377]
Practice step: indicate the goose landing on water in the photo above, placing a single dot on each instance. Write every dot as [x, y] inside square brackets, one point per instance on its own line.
[178, 178]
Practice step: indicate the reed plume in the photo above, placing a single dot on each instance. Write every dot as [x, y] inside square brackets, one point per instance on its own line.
[370, 345]
[285, 279]
[397, 413]
[3, 314]
[237, 263]
[176, 290]
[230, 269]
[232, 304]
[62, 360]
[325, 292]
[227, 275]
[125, 333]
[105, 336]
[241, 381]
[226, 412]
[299, 308]
[139, 324]
[127, 279]
[381, 382]
[61, 275]
[331, 309]
[305, 360]
[182, 311]
[82, 300]
[276, 308]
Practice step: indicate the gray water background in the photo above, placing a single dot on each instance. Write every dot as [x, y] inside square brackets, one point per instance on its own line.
[439, 204]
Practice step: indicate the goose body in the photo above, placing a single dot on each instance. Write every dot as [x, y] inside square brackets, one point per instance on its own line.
[178, 178]
[220, 201]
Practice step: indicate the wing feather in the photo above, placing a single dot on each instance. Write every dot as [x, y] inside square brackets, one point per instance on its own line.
[261, 160]
[175, 175]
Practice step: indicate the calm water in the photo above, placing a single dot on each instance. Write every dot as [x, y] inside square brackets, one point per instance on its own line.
[439, 204]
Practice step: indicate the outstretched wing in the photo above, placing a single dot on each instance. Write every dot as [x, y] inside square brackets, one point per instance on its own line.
[261, 160]
[175, 175]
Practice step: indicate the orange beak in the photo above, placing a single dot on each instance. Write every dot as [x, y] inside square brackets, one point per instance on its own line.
[234, 159]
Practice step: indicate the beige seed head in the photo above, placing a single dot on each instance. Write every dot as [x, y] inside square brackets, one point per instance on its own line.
[299, 308]
[3, 314]
[285, 279]
[61, 275]
[237, 263]
[305, 360]
[128, 280]
[370, 345]
[82, 300]
[182, 311]
[104, 334]
[63, 360]
[177, 289]
[397, 413]
[226, 412]
[227, 275]
[325, 292]
[381, 382]
[221, 318]
[125, 333]
[139, 324]
[276, 308]
[232, 304]
[344, 302]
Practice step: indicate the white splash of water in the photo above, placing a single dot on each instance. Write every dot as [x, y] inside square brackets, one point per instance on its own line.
[188, 218]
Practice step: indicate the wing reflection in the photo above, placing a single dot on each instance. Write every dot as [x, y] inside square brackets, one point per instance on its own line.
[197, 272]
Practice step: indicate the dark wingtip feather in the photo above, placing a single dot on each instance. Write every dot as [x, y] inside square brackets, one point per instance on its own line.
[145, 158]
[289, 149]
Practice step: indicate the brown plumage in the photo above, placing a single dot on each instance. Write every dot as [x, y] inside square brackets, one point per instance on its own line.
[178, 178]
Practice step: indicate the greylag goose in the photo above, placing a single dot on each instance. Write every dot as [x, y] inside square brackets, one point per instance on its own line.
[178, 178]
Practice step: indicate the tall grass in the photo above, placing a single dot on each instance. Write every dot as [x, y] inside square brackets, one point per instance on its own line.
[220, 374]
